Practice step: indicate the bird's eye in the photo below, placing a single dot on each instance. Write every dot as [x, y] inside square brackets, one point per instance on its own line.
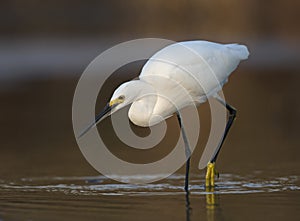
[122, 97]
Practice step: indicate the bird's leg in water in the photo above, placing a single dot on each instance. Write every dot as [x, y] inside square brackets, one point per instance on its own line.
[211, 171]
[187, 153]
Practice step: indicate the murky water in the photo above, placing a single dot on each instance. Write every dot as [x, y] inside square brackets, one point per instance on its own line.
[236, 197]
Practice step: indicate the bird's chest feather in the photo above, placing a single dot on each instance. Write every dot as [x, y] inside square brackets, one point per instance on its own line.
[151, 109]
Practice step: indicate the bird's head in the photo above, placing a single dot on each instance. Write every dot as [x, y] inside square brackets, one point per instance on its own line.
[124, 95]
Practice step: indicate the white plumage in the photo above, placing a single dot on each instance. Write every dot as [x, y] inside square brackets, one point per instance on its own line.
[181, 74]
[176, 76]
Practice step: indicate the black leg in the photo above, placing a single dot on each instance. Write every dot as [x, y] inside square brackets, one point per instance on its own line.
[232, 114]
[187, 153]
[211, 172]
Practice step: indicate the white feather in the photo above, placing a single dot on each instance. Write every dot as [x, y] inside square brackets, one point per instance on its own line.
[178, 75]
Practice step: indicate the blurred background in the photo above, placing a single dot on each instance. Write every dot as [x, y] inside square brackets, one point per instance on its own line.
[46, 45]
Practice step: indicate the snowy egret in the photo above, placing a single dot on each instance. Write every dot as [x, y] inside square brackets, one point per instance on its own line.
[175, 77]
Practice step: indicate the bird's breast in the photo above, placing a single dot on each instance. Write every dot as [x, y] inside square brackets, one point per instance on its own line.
[152, 109]
[141, 110]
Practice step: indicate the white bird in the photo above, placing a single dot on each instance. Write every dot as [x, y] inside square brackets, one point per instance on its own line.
[175, 77]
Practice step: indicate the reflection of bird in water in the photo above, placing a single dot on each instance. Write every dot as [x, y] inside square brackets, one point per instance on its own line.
[213, 209]
[211, 200]
[212, 203]
[179, 75]
[188, 208]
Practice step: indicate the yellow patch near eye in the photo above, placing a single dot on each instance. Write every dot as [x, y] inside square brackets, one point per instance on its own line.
[115, 101]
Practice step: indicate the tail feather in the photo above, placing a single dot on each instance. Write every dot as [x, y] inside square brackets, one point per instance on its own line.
[241, 51]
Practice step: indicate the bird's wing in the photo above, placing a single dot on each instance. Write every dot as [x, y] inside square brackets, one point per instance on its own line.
[199, 66]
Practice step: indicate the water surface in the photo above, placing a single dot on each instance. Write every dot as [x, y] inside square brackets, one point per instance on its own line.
[235, 197]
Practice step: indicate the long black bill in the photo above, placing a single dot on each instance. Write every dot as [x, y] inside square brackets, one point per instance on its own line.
[105, 110]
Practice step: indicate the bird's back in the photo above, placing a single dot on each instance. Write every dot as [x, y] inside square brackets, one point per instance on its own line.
[201, 67]
[183, 74]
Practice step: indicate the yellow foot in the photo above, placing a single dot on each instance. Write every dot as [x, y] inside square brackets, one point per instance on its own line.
[210, 175]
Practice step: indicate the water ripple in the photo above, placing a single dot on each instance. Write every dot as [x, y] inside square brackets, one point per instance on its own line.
[173, 185]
